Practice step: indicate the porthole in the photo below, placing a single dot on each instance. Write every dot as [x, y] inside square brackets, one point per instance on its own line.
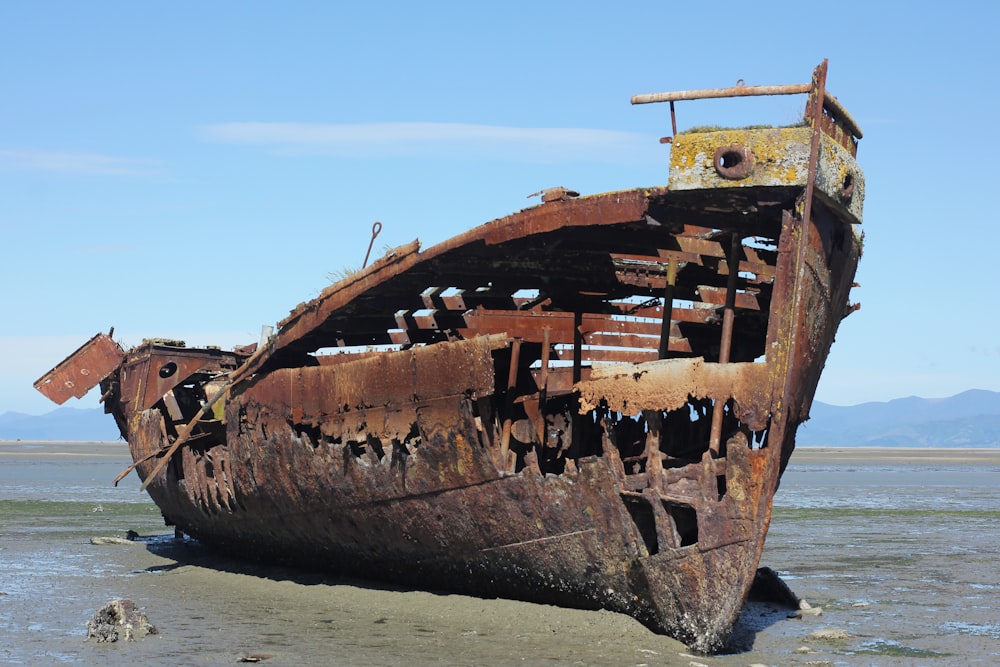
[847, 187]
[733, 162]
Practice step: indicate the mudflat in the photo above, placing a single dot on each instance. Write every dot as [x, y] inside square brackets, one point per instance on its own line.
[912, 455]
[896, 546]
[24, 449]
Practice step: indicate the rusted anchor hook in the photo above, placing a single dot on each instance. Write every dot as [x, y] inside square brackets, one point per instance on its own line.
[376, 228]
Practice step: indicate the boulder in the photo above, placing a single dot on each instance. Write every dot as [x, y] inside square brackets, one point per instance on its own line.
[119, 620]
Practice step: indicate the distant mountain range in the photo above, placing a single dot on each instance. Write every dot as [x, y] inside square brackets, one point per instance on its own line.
[969, 419]
[60, 424]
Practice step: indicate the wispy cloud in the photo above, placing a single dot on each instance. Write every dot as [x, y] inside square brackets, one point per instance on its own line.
[106, 249]
[432, 139]
[75, 163]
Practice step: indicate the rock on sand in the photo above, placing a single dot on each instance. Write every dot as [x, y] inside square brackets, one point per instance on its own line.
[119, 619]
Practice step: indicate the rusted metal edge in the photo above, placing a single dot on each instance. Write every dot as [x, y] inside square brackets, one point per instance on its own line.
[305, 318]
[833, 105]
[815, 109]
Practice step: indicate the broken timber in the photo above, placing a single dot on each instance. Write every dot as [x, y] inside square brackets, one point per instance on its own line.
[589, 402]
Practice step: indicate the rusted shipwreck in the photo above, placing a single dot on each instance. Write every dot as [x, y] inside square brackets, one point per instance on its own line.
[588, 403]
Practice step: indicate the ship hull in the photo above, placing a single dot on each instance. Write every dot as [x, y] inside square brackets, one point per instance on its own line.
[395, 466]
[588, 403]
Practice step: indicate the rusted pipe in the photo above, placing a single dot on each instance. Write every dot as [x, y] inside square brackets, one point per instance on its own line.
[830, 103]
[725, 345]
[668, 307]
[734, 91]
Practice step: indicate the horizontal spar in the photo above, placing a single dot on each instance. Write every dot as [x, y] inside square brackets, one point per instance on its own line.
[709, 93]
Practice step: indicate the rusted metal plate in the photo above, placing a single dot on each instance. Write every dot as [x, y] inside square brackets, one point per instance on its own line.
[390, 379]
[154, 369]
[81, 371]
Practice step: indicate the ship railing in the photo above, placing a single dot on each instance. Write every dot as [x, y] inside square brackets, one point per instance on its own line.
[836, 121]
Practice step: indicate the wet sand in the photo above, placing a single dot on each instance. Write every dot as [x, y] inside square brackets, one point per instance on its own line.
[896, 546]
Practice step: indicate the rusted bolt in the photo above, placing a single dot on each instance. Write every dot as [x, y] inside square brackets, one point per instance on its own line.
[733, 162]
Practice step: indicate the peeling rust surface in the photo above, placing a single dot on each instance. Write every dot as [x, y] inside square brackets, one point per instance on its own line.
[588, 402]
[671, 383]
[81, 371]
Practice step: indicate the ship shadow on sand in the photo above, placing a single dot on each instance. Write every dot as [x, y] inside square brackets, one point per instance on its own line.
[770, 602]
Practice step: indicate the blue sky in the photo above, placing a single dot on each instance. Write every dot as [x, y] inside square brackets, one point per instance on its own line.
[195, 170]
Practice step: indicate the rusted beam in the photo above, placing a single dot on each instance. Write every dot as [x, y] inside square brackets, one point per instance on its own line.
[467, 299]
[720, 297]
[615, 355]
[529, 324]
[542, 380]
[607, 339]
[668, 309]
[515, 359]
[711, 248]
[692, 312]
[658, 264]
[725, 344]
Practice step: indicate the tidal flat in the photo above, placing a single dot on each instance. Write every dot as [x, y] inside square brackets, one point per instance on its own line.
[897, 547]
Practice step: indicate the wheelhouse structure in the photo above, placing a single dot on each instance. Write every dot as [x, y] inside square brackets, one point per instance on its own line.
[589, 402]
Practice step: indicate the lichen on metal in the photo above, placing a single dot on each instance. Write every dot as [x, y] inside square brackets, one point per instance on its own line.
[780, 157]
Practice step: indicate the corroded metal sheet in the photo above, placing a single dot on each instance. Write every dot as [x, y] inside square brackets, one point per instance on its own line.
[81, 371]
[669, 384]
[154, 369]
